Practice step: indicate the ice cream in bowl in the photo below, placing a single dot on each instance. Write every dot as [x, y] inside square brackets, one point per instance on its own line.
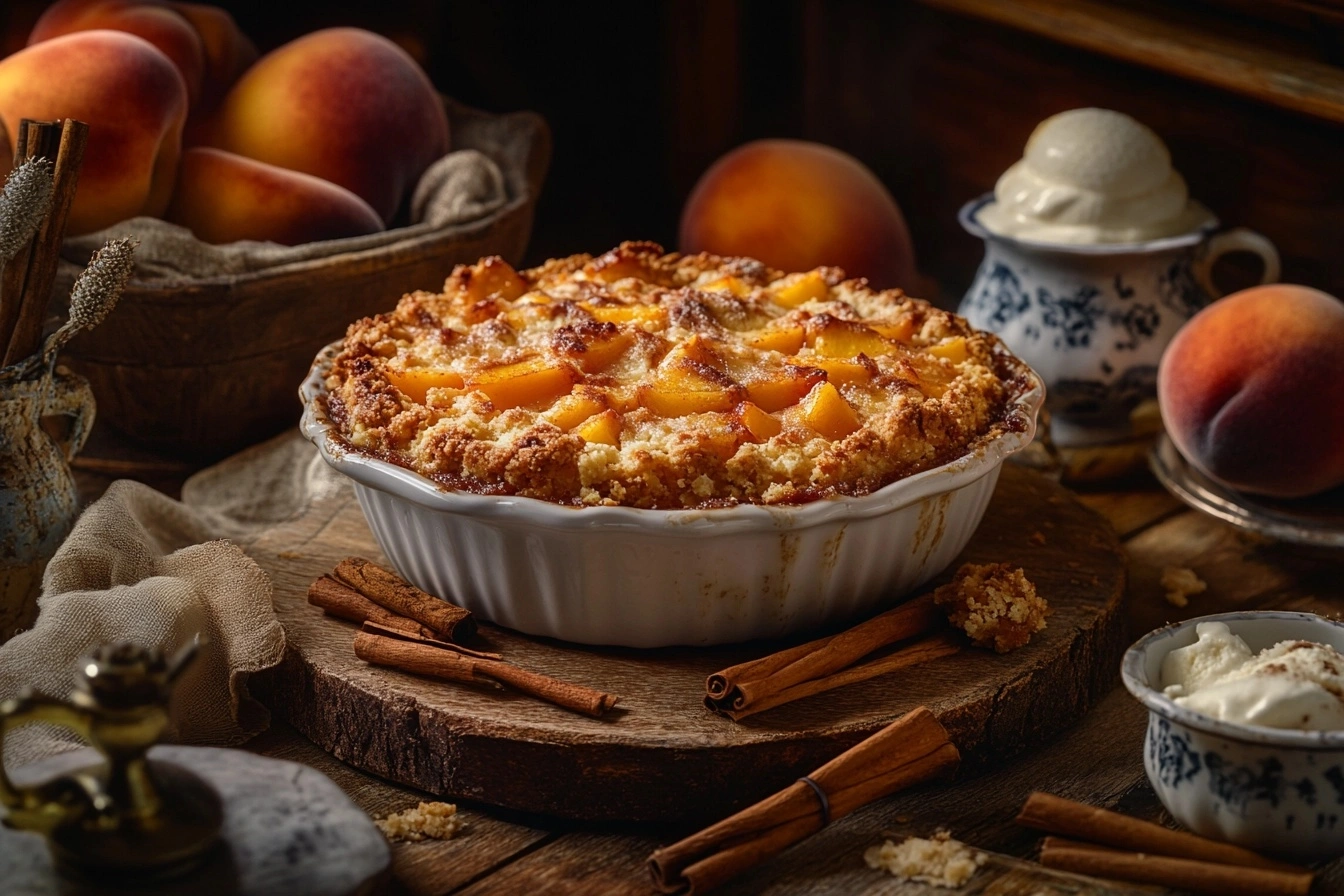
[1245, 739]
[1095, 254]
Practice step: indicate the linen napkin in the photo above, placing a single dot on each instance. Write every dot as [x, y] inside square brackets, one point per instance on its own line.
[142, 567]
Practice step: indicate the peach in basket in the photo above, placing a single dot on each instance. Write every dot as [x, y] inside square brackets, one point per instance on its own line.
[648, 449]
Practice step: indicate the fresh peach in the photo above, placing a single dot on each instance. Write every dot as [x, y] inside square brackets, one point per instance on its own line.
[135, 103]
[162, 26]
[342, 104]
[222, 197]
[228, 51]
[1252, 391]
[797, 206]
[203, 41]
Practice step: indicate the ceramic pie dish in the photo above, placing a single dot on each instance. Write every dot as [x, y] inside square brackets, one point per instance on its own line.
[656, 578]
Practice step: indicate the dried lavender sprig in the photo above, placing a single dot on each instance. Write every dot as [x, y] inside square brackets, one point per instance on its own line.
[24, 202]
[95, 292]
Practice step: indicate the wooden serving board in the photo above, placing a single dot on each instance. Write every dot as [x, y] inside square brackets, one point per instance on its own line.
[661, 756]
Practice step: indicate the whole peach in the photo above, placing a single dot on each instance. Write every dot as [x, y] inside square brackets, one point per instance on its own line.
[1252, 390]
[135, 103]
[342, 104]
[222, 197]
[228, 51]
[796, 206]
[157, 23]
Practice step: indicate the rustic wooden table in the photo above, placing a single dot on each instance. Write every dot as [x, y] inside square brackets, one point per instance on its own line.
[1098, 760]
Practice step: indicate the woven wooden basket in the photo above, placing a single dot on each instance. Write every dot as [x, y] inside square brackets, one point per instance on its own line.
[199, 369]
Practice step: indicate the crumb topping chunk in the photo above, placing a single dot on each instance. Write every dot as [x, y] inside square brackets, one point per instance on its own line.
[656, 380]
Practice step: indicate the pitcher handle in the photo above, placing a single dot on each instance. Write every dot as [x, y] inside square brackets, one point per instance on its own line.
[1239, 239]
[70, 396]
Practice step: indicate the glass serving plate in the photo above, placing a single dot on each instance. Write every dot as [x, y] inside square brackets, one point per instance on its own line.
[1317, 520]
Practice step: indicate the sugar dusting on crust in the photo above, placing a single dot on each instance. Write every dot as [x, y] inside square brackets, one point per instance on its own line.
[940, 860]
[995, 604]
[707, 335]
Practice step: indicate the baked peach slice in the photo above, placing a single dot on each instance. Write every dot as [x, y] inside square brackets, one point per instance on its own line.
[576, 407]
[534, 381]
[832, 337]
[800, 289]
[602, 429]
[826, 411]
[786, 338]
[784, 387]
[415, 382]
[756, 421]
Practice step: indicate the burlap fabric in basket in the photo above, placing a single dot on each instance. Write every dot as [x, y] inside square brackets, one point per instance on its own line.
[142, 567]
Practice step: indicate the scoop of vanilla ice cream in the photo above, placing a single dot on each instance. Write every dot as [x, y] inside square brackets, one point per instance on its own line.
[1092, 176]
[1274, 701]
[1294, 684]
[1216, 654]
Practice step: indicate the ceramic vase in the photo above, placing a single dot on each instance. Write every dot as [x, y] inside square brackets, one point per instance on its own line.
[38, 498]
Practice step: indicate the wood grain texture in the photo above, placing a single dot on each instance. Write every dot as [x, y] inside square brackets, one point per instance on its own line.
[660, 755]
[1188, 50]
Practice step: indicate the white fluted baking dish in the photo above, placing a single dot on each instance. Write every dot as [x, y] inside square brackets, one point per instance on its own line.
[657, 578]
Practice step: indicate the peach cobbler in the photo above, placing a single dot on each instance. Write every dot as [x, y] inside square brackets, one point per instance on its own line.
[654, 380]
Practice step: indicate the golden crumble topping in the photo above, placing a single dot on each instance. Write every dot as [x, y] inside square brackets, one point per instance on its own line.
[655, 380]
[427, 821]
[1179, 583]
[939, 860]
[995, 604]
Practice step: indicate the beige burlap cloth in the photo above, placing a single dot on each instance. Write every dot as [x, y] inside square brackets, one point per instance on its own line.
[142, 567]
[460, 188]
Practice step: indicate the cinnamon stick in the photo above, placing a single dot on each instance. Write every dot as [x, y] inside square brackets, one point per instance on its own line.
[391, 591]
[913, 749]
[820, 665]
[1182, 874]
[424, 659]
[404, 635]
[344, 602]
[1056, 815]
[64, 142]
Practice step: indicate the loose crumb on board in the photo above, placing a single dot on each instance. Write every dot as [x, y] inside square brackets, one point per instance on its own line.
[427, 821]
[1180, 583]
[995, 604]
[940, 860]
[289, 555]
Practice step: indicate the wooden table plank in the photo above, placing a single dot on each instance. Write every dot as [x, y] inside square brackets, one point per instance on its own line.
[1132, 512]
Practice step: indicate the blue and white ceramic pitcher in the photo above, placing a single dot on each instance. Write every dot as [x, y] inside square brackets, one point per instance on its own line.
[1093, 319]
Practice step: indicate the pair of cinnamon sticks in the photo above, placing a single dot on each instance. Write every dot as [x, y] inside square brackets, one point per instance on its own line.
[1124, 848]
[25, 286]
[405, 628]
[913, 749]
[826, 663]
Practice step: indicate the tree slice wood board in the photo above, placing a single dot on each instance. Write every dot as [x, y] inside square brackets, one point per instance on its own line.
[661, 756]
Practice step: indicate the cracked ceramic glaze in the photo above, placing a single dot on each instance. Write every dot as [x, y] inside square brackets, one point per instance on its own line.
[1272, 790]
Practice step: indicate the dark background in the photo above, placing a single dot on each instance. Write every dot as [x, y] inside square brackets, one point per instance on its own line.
[641, 97]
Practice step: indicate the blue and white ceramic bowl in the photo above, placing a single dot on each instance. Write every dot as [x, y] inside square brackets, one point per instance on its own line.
[1093, 319]
[1275, 791]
